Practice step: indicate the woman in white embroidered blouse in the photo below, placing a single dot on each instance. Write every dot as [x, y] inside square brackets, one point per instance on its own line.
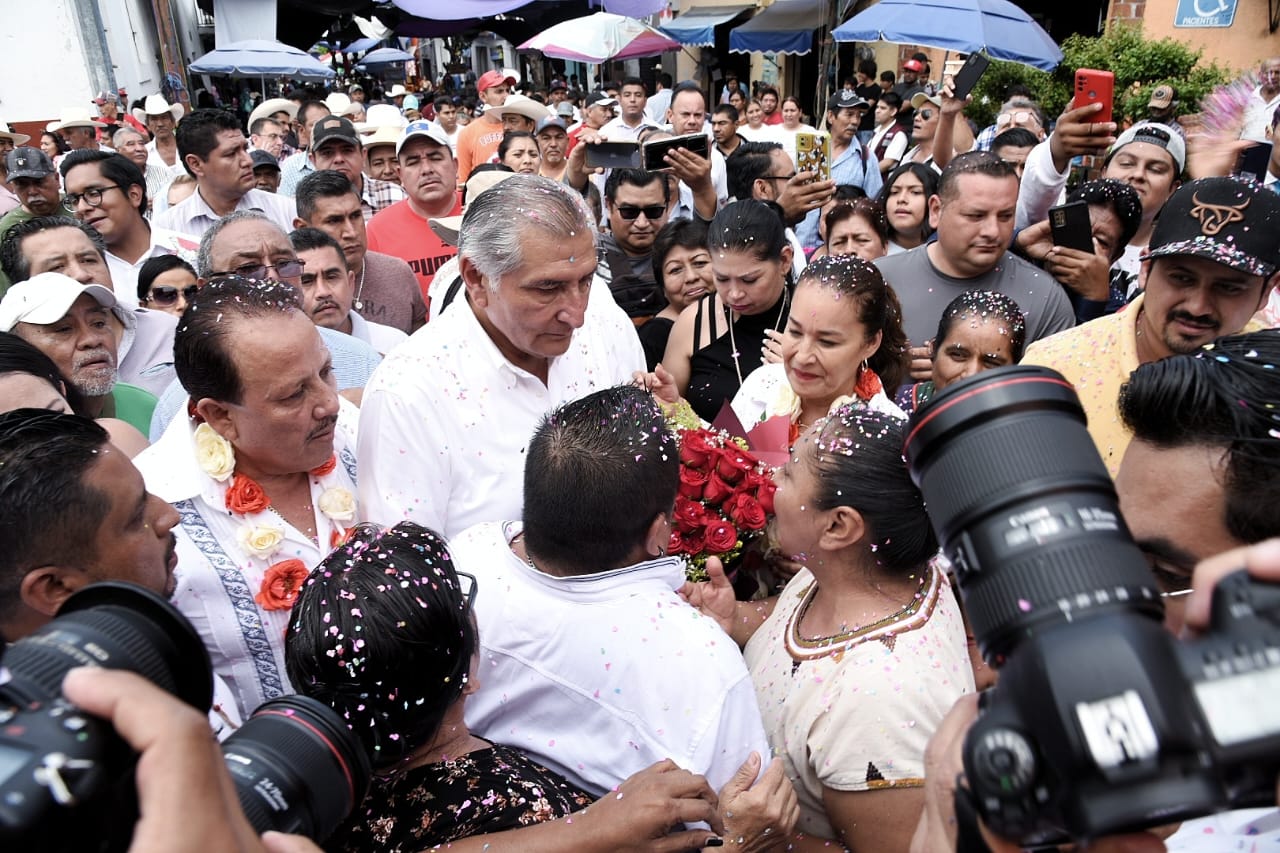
[858, 660]
[843, 343]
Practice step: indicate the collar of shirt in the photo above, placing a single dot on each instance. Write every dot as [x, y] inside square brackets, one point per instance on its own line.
[665, 571]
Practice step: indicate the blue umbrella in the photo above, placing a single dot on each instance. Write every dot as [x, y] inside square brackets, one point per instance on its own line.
[261, 58]
[386, 56]
[994, 27]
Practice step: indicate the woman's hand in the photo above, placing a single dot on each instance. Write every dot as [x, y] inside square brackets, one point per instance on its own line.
[759, 817]
[645, 809]
[771, 352]
[713, 597]
[660, 384]
[1087, 274]
[921, 369]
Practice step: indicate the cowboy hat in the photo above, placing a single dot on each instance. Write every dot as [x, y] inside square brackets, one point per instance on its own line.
[156, 105]
[382, 115]
[271, 106]
[397, 90]
[6, 132]
[73, 117]
[382, 136]
[521, 105]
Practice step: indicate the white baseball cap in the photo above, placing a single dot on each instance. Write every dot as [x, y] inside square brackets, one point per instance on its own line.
[46, 298]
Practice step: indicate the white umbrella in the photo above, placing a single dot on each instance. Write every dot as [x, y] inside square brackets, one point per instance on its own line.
[261, 58]
[598, 37]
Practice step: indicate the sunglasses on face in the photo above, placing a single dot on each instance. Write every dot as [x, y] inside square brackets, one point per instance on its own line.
[926, 114]
[168, 295]
[258, 272]
[652, 212]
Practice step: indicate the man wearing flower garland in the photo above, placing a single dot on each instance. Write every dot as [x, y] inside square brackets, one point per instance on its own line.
[261, 470]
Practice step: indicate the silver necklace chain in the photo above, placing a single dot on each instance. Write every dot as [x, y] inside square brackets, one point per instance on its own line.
[733, 345]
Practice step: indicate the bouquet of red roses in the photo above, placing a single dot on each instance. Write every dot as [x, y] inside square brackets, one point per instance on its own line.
[725, 498]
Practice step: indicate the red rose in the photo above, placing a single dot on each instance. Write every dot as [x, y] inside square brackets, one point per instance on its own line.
[693, 542]
[689, 515]
[695, 449]
[764, 496]
[733, 464]
[245, 496]
[675, 545]
[746, 511]
[281, 585]
[692, 482]
[326, 468]
[717, 490]
[720, 537]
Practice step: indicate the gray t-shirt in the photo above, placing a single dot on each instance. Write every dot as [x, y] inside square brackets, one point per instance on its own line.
[925, 292]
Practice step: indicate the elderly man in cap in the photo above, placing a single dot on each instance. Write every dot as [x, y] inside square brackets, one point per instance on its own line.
[519, 113]
[852, 162]
[553, 144]
[479, 141]
[77, 127]
[380, 154]
[214, 151]
[429, 175]
[1211, 264]
[161, 118]
[447, 416]
[597, 111]
[34, 181]
[8, 141]
[335, 145]
[72, 324]
[266, 171]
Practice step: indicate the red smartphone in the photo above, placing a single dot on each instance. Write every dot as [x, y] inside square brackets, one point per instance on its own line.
[1093, 86]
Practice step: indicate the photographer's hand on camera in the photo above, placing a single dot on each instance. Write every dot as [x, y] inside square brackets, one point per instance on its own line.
[1075, 135]
[695, 173]
[185, 796]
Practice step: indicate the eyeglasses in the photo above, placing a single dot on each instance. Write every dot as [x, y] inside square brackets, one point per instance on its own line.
[258, 272]
[91, 196]
[777, 177]
[655, 211]
[168, 295]
[468, 586]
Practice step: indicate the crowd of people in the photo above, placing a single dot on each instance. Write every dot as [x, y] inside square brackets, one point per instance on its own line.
[383, 396]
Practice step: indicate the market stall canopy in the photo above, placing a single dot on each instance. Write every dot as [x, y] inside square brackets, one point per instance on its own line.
[598, 37]
[457, 10]
[785, 27]
[994, 27]
[385, 56]
[261, 58]
[697, 26]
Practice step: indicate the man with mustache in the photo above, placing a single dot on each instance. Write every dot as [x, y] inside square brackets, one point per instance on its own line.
[34, 180]
[329, 287]
[1211, 265]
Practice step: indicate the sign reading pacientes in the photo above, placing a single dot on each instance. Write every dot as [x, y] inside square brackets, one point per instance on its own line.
[1205, 13]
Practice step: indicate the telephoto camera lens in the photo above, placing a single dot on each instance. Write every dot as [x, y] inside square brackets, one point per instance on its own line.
[297, 767]
[1023, 506]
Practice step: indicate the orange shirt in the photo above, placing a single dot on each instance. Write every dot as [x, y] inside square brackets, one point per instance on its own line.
[401, 232]
[477, 142]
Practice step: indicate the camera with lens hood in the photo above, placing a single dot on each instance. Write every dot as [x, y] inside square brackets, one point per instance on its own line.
[66, 777]
[1101, 722]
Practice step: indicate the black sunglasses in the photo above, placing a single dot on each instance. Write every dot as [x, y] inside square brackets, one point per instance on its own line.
[468, 586]
[168, 295]
[655, 211]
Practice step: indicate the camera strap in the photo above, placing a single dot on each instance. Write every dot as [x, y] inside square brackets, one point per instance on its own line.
[968, 836]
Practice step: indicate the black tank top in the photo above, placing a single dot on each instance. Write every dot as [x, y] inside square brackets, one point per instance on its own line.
[713, 379]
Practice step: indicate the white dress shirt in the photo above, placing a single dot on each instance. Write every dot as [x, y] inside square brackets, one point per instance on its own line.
[447, 418]
[599, 676]
[193, 216]
[381, 337]
[124, 275]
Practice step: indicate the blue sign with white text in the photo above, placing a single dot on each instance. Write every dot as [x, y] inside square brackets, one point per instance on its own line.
[1205, 13]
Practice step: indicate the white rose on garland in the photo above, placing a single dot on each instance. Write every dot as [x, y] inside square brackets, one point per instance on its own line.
[261, 541]
[338, 504]
[215, 454]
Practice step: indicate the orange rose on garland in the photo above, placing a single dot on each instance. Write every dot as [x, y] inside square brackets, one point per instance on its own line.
[281, 585]
[326, 468]
[245, 496]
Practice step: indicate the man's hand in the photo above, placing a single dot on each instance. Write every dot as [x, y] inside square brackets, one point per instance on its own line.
[759, 817]
[694, 170]
[660, 383]
[640, 815]
[1086, 273]
[1035, 241]
[576, 169]
[802, 194]
[1075, 135]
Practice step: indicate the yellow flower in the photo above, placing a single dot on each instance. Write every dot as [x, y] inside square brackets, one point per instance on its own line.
[261, 542]
[338, 504]
[215, 454]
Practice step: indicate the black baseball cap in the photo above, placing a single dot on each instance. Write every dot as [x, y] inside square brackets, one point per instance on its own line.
[1228, 220]
[600, 99]
[846, 100]
[262, 159]
[334, 127]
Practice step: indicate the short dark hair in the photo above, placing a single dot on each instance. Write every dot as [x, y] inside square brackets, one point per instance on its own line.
[867, 67]
[116, 168]
[928, 180]
[729, 111]
[322, 183]
[888, 76]
[747, 225]
[871, 212]
[984, 304]
[665, 79]
[683, 233]
[19, 356]
[198, 134]
[857, 460]
[15, 264]
[391, 657]
[309, 239]
[599, 471]
[509, 137]
[983, 163]
[51, 515]
[260, 122]
[201, 356]
[1123, 200]
[309, 105]
[749, 161]
[632, 81]
[1220, 396]
[634, 178]
[1014, 137]
[892, 99]
[767, 90]
[443, 101]
[850, 277]
[156, 267]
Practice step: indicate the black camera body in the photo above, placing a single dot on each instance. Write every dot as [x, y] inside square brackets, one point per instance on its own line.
[1101, 721]
[66, 777]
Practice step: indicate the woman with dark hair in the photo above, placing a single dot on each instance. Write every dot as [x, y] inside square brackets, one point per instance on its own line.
[166, 283]
[30, 380]
[755, 130]
[979, 330]
[858, 660]
[53, 145]
[717, 342]
[518, 151]
[905, 197]
[855, 227]
[682, 268]
[384, 633]
[843, 344]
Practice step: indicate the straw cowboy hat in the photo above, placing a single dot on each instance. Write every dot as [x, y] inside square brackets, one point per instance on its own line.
[156, 105]
[380, 116]
[271, 106]
[6, 132]
[73, 117]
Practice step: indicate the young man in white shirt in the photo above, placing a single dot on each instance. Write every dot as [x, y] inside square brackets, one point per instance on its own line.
[328, 291]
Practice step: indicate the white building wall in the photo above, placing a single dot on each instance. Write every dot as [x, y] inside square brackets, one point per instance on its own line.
[132, 39]
[42, 65]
